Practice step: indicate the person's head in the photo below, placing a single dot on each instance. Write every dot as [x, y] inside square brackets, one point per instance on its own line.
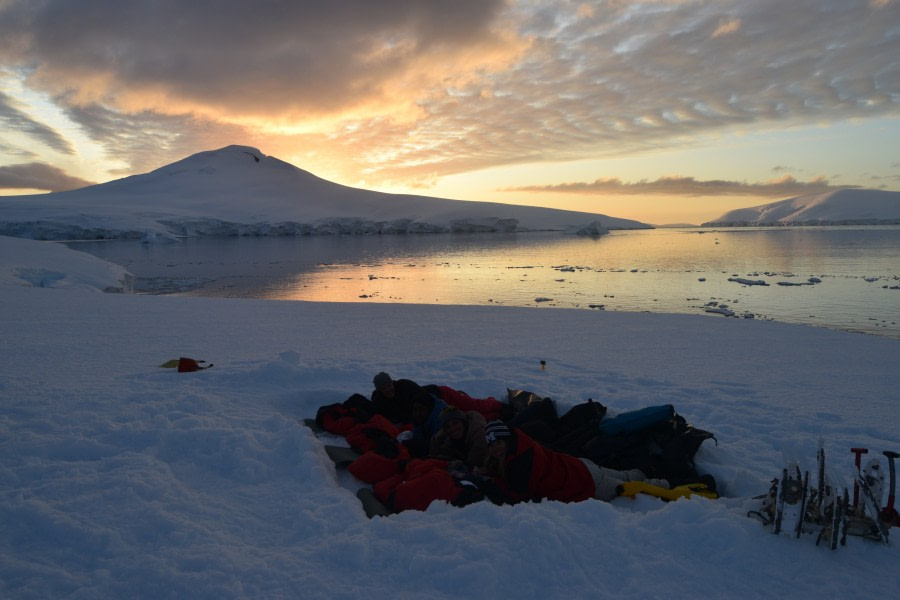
[454, 424]
[422, 405]
[384, 384]
[498, 435]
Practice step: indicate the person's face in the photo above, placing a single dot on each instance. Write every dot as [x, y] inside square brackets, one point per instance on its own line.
[497, 449]
[455, 429]
[387, 390]
[419, 412]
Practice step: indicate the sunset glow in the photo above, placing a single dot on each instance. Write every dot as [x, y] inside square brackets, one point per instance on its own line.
[657, 111]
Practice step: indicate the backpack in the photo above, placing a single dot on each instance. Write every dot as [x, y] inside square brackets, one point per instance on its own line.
[664, 450]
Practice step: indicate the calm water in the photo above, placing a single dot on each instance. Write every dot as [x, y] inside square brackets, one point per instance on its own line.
[855, 270]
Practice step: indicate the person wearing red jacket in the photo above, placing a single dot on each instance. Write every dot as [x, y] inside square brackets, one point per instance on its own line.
[525, 470]
[421, 482]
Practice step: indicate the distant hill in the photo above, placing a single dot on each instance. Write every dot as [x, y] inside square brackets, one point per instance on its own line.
[841, 207]
[674, 225]
[237, 190]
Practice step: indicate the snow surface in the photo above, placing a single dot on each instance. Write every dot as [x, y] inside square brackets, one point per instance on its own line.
[121, 479]
[237, 190]
[841, 207]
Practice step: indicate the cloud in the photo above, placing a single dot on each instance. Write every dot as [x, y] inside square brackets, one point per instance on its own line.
[625, 79]
[727, 26]
[688, 186]
[13, 119]
[416, 91]
[249, 60]
[38, 176]
[147, 140]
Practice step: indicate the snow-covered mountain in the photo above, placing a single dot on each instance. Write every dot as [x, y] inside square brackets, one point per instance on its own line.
[841, 207]
[237, 190]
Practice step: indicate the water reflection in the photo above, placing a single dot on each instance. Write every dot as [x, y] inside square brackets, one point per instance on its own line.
[657, 270]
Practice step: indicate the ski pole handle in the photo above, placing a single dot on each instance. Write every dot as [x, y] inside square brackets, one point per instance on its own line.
[858, 452]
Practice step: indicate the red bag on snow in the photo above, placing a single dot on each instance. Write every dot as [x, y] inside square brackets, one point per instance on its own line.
[372, 467]
[489, 407]
[189, 365]
[427, 481]
[377, 434]
[336, 419]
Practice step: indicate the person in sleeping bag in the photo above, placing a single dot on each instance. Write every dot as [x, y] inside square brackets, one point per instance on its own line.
[460, 438]
[393, 398]
[524, 470]
[426, 421]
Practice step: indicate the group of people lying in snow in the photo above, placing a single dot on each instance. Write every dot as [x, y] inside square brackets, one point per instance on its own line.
[418, 444]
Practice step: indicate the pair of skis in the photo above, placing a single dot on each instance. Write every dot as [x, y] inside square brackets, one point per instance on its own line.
[831, 508]
[865, 517]
[868, 487]
[793, 495]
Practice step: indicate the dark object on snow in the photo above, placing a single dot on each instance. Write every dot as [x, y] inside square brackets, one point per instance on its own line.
[312, 424]
[371, 504]
[662, 450]
[189, 365]
[342, 456]
[397, 407]
[580, 414]
[185, 364]
[577, 427]
[533, 414]
[340, 417]
[521, 399]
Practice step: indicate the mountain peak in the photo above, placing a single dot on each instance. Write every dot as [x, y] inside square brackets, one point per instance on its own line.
[229, 156]
[849, 206]
[238, 190]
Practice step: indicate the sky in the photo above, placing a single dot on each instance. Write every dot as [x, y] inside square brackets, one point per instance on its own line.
[661, 111]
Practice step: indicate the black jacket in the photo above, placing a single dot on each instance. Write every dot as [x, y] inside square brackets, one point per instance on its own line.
[399, 408]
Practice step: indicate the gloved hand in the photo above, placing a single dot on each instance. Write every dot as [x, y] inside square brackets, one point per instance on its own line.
[457, 469]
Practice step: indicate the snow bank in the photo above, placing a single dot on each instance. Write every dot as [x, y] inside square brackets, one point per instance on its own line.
[48, 265]
[120, 479]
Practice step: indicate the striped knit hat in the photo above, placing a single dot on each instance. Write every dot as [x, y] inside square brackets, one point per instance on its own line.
[496, 430]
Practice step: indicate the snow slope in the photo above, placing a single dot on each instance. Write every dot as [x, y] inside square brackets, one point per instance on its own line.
[841, 207]
[237, 190]
[120, 479]
[29, 264]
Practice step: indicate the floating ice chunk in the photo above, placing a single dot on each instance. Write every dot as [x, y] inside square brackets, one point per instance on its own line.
[743, 281]
[594, 228]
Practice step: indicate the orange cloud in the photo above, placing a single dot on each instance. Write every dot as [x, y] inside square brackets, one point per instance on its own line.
[688, 186]
[727, 26]
[308, 70]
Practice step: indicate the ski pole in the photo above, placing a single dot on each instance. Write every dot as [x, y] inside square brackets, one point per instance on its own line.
[820, 489]
[889, 514]
[858, 452]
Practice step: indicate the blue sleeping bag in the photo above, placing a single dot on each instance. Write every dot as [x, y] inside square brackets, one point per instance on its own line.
[636, 420]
